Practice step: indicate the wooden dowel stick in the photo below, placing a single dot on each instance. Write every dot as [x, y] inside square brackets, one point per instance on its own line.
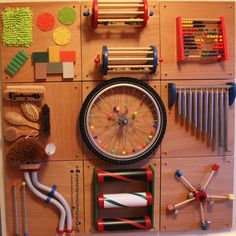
[130, 66]
[119, 5]
[188, 184]
[129, 52]
[112, 1]
[202, 213]
[120, 12]
[120, 20]
[217, 197]
[130, 59]
[208, 180]
[184, 202]
[129, 48]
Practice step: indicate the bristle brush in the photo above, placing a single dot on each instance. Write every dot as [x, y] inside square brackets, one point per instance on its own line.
[11, 133]
[45, 125]
[17, 119]
[26, 151]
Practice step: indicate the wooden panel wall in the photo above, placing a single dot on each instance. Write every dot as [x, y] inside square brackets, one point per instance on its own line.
[179, 149]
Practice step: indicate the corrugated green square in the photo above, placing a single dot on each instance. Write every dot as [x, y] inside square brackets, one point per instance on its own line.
[17, 26]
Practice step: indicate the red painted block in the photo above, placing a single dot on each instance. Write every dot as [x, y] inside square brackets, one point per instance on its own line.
[67, 56]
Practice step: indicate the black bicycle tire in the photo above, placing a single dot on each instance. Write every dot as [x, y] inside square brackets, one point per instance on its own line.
[89, 99]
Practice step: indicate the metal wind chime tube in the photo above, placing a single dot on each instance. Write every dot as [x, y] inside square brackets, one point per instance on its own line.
[206, 108]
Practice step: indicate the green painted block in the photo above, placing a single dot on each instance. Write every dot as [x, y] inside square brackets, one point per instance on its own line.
[38, 57]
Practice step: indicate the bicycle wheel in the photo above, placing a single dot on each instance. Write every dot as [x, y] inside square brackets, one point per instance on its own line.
[123, 120]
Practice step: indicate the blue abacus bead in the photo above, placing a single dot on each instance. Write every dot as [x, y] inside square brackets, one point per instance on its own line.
[204, 226]
[178, 173]
[86, 13]
[151, 13]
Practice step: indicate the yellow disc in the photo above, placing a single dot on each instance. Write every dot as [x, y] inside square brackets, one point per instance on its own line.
[61, 36]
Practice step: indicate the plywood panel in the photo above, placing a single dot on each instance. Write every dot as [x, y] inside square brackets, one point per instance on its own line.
[196, 170]
[93, 40]
[88, 87]
[181, 140]
[89, 190]
[42, 40]
[171, 70]
[64, 100]
[43, 218]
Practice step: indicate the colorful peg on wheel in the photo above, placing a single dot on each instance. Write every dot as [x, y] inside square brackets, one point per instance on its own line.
[134, 114]
[179, 174]
[97, 59]
[215, 168]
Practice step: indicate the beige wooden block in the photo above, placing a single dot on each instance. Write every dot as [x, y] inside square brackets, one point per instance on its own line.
[68, 70]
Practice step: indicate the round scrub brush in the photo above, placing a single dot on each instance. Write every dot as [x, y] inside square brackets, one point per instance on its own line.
[26, 151]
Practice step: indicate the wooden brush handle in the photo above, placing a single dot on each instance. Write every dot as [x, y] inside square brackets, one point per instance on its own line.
[17, 119]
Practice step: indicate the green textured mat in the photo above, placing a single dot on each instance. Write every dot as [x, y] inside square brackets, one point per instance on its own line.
[17, 26]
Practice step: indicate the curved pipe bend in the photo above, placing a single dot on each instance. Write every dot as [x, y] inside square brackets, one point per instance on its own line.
[44, 198]
[57, 195]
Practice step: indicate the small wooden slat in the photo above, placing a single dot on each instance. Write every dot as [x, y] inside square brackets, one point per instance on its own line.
[120, 20]
[129, 66]
[120, 12]
[119, 5]
[128, 48]
[130, 58]
[132, 52]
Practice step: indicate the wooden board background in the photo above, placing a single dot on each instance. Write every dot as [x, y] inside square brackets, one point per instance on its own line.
[88, 87]
[43, 218]
[42, 40]
[196, 170]
[189, 143]
[88, 188]
[93, 40]
[170, 70]
[65, 100]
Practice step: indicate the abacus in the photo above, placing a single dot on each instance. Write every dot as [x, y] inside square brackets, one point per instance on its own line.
[120, 13]
[205, 108]
[199, 195]
[129, 60]
[124, 200]
[201, 39]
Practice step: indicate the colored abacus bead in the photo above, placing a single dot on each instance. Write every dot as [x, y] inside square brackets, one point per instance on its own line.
[178, 173]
